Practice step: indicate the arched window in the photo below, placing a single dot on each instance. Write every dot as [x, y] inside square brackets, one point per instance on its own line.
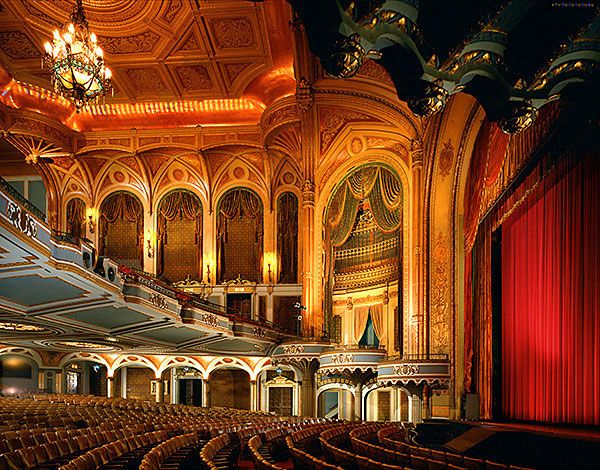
[180, 236]
[239, 236]
[76, 218]
[287, 238]
[121, 229]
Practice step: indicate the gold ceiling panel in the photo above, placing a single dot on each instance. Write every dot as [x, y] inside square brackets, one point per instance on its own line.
[158, 50]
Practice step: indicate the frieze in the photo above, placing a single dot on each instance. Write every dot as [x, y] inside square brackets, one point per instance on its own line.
[158, 301]
[342, 358]
[21, 219]
[209, 319]
[406, 369]
[293, 349]
[260, 332]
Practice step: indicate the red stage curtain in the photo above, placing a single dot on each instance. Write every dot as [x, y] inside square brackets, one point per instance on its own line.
[551, 300]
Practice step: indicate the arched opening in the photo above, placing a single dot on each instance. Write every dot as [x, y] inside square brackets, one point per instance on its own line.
[121, 229]
[183, 385]
[363, 245]
[287, 238]
[387, 404]
[279, 390]
[239, 236]
[135, 381]
[180, 236]
[230, 387]
[86, 378]
[335, 403]
[75, 218]
[18, 375]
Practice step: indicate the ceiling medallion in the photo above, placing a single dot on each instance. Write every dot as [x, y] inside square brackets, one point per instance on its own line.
[76, 62]
[9, 326]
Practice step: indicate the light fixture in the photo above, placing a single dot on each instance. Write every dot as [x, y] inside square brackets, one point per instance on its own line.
[91, 215]
[76, 62]
[150, 243]
[208, 261]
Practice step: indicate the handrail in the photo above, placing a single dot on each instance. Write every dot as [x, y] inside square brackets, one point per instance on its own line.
[416, 357]
[352, 347]
[13, 193]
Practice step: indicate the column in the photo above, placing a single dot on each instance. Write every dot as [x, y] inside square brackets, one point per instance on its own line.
[124, 382]
[307, 388]
[415, 409]
[205, 392]
[358, 401]
[110, 387]
[312, 316]
[42, 382]
[59, 382]
[253, 395]
[417, 338]
[160, 390]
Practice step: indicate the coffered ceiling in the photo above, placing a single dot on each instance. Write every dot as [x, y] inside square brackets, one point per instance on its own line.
[164, 51]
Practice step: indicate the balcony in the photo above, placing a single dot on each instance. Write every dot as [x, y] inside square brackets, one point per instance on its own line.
[350, 358]
[419, 369]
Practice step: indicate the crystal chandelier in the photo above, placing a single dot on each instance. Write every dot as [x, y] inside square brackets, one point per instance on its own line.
[76, 62]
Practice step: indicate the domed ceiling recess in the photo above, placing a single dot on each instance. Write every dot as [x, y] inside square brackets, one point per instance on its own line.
[223, 60]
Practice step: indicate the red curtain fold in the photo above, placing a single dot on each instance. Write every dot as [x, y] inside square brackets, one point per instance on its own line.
[497, 149]
[551, 300]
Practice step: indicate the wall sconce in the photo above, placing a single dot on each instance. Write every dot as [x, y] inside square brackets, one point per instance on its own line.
[208, 262]
[270, 262]
[150, 240]
[91, 218]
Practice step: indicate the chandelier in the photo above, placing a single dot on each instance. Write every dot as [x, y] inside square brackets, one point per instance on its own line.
[76, 62]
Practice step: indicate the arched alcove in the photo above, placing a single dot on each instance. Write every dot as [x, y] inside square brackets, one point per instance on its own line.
[239, 235]
[121, 229]
[180, 236]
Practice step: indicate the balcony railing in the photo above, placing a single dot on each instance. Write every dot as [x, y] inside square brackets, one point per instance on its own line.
[17, 197]
[416, 358]
[195, 300]
[352, 347]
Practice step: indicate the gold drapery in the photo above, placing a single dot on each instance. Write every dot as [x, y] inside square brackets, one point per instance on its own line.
[378, 319]
[383, 190]
[287, 237]
[121, 206]
[244, 204]
[361, 317]
[180, 204]
[76, 217]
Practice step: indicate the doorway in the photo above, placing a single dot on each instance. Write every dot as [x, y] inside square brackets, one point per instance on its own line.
[190, 392]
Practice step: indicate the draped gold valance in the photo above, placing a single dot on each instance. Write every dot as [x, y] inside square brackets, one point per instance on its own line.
[121, 205]
[383, 190]
[181, 204]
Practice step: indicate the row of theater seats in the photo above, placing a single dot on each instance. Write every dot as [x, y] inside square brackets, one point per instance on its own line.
[115, 434]
[71, 432]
